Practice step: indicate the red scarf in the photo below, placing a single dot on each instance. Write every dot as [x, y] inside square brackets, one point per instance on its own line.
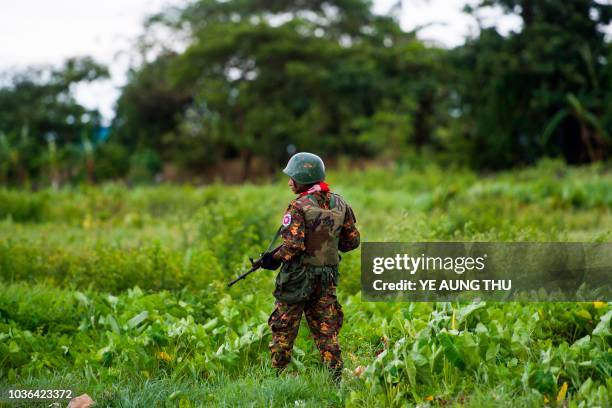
[320, 186]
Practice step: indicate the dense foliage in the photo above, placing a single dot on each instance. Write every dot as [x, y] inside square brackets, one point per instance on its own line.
[544, 90]
[259, 77]
[250, 81]
[121, 294]
[45, 135]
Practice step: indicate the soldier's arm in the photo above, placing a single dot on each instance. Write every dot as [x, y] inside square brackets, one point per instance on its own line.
[293, 234]
[349, 235]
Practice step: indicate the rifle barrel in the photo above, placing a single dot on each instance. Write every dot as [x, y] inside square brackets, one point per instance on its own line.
[256, 265]
[244, 275]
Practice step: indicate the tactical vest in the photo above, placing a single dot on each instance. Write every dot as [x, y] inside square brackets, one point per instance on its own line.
[323, 228]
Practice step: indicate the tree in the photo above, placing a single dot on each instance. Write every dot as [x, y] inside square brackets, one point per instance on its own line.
[259, 78]
[542, 91]
[149, 106]
[40, 121]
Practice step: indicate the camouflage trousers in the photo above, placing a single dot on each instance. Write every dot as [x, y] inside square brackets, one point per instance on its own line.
[324, 316]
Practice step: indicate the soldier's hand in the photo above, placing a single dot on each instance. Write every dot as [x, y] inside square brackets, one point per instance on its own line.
[268, 261]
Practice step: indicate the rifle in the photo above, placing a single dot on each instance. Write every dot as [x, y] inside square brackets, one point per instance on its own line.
[256, 264]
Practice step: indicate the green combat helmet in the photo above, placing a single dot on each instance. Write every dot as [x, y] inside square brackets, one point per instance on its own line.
[305, 168]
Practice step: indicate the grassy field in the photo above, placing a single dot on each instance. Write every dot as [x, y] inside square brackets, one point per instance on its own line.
[120, 293]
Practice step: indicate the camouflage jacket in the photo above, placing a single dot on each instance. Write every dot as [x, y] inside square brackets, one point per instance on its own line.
[315, 227]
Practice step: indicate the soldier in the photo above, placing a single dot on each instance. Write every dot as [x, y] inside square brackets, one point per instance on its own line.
[316, 225]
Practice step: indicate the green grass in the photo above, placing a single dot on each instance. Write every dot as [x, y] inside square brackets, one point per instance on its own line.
[258, 386]
[120, 293]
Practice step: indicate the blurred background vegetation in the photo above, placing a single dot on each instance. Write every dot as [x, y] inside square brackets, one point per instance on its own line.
[260, 79]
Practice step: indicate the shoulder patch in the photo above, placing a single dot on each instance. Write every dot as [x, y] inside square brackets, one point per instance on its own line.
[286, 219]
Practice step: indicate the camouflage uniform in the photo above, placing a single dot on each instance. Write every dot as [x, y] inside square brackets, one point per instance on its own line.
[315, 227]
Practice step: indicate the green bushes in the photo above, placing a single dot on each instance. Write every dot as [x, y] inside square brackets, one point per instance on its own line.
[21, 207]
[124, 291]
[168, 237]
[414, 352]
[510, 343]
[187, 333]
[209, 244]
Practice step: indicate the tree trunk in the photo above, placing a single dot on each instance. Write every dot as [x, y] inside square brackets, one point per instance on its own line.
[527, 12]
[246, 157]
[422, 122]
[90, 170]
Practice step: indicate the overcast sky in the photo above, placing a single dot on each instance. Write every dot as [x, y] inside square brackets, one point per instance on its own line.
[47, 32]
